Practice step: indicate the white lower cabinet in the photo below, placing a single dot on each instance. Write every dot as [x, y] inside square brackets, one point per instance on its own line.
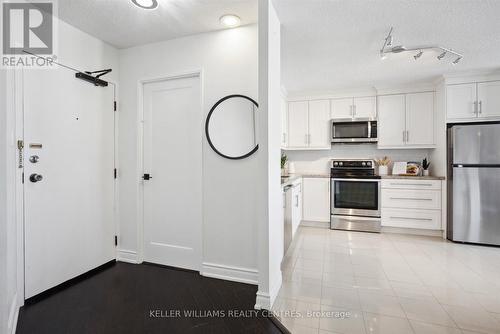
[316, 199]
[411, 204]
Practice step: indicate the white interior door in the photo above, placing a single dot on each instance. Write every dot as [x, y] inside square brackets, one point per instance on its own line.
[173, 157]
[69, 228]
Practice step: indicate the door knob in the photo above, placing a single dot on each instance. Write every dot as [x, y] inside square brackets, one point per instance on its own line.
[34, 159]
[36, 178]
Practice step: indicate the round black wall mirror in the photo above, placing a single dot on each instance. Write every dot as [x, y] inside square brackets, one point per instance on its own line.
[231, 127]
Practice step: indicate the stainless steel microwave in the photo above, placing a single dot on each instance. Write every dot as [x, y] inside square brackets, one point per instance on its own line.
[354, 130]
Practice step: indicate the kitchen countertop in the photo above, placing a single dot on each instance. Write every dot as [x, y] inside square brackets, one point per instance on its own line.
[413, 177]
[289, 179]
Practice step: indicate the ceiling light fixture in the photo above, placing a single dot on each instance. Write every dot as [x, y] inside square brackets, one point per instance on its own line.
[146, 4]
[386, 49]
[418, 55]
[230, 20]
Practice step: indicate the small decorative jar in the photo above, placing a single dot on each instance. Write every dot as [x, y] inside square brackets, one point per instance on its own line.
[383, 170]
[426, 172]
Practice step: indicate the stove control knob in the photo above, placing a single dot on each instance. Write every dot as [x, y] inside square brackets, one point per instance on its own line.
[363, 163]
[335, 163]
[341, 163]
[369, 163]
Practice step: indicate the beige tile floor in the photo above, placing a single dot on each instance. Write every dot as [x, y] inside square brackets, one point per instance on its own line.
[357, 283]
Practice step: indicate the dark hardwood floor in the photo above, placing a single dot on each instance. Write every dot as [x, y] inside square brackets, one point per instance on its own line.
[127, 298]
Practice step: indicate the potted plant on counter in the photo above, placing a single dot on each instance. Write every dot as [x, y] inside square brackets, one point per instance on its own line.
[425, 165]
[284, 160]
[383, 165]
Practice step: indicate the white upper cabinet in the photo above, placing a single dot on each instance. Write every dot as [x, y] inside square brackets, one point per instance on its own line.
[357, 107]
[406, 120]
[420, 119]
[475, 101]
[298, 127]
[365, 107]
[342, 108]
[391, 120]
[488, 95]
[319, 124]
[461, 101]
[309, 125]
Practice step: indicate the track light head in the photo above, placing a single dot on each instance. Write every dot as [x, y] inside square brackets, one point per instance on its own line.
[456, 61]
[441, 56]
[418, 55]
[398, 49]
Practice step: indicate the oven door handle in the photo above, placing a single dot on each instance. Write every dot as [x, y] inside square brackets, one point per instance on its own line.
[356, 180]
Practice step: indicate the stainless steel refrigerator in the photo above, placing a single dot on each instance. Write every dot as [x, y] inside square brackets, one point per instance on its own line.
[474, 183]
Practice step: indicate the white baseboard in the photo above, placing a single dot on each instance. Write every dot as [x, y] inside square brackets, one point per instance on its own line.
[13, 316]
[412, 231]
[123, 255]
[308, 223]
[230, 273]
[263, 301]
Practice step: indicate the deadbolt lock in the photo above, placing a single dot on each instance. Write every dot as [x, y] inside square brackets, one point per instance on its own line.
[34, 159]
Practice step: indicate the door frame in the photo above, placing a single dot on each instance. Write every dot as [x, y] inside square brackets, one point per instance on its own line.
[16, 80]
[197, 72]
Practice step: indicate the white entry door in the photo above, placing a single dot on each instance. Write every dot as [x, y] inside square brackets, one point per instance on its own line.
[69, 138]
[173, 158]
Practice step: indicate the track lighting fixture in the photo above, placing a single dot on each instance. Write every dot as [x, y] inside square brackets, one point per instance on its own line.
[388, 48]
[441, 56]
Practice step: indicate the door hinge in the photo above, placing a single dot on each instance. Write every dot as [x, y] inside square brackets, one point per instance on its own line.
[115, 173]
[116, 240]
[114, 106]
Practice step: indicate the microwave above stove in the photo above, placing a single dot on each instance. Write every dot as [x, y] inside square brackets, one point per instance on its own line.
[354, 130]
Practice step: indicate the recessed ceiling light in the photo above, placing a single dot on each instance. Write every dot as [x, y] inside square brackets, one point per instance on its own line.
[230, 20]
[146, 4]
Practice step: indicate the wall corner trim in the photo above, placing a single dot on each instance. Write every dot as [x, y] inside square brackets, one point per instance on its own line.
[127, 256]
[230, 273]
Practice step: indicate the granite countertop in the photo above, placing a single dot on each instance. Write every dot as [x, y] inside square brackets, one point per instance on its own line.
[412, 177]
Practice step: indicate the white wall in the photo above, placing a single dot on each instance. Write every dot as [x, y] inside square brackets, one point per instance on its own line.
[270, 244]
[318, 161]
[229, 63]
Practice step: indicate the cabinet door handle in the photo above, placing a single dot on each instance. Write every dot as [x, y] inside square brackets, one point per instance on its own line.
[354, 110]
[411, 184]
[412, 198]
[296, 201]
[480, 107]
[404, 136]
[305, 140]
[474, 106]
[408, 218]
[407, 135]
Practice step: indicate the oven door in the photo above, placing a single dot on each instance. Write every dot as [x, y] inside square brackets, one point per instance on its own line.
[349, 131]
[355, 197]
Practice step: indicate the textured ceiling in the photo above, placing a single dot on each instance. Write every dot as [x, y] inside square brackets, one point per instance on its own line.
[330, 45]
[122, 24]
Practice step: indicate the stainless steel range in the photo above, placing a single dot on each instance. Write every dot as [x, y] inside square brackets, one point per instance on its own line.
[354, 196]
